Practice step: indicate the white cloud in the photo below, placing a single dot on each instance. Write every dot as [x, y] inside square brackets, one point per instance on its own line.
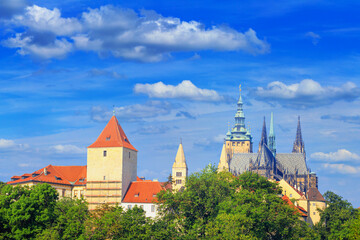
[24, 164]
[308, 93]
[315, 37]
[123, 33]
[7, 144]
[59, 48]
[45, 20]
[67, 149]
[342, 168]
[339, 155]
[186, 89]
[135, 112]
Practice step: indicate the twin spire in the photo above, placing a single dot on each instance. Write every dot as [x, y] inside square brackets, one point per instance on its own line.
[299, 146]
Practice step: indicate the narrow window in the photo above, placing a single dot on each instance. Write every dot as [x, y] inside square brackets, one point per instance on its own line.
[75, 194]
[313, 204]
[314, 213]
[152, 208]
[178, 181]
[290, 195]
[178, 174]
[129, 207]
[129, 154]
[104, 177]
[63, 192]
[105, 153]
[142, 206]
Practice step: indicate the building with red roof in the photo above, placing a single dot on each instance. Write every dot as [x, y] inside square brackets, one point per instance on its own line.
[69, 181]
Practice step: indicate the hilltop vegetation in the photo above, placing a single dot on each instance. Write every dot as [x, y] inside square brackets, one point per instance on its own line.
[212, 206]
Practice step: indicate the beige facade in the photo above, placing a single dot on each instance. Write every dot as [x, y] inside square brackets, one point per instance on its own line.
[109, 173]
[179, 170]
[224, 160]
[311, 202]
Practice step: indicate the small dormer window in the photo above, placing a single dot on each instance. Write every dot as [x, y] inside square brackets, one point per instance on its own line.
[126, 140]
[136, 195]
[108, 138]
[81, 179]
[58, 178]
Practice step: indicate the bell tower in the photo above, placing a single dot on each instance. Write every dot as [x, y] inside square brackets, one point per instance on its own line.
[179, 169]
[238, 139]
[111, 166]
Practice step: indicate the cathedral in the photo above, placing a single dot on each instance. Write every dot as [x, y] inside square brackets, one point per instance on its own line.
[237, 155]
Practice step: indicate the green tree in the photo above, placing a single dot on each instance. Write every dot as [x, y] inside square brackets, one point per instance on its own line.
[336, 218]
[70, 216]
[109, 222]
[26, 211]
[220, 206]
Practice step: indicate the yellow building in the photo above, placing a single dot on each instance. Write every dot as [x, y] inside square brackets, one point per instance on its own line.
[179, 169]
[111, 166]
[311, 201]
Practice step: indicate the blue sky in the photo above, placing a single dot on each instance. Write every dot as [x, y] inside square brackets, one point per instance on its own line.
[172, 70]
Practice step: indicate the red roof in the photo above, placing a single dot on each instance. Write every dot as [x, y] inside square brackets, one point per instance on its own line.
[142, 192]
[112, 136]
[68, 175]
[299, 209]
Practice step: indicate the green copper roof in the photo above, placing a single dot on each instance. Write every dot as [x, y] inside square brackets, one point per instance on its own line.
[239, 132]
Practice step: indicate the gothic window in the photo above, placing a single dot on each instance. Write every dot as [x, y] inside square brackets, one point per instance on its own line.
[178, 181]
[178, 174]
[105, 153]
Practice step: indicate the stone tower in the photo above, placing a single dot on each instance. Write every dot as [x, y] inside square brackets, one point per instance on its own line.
[224, 160]
[272, 144]
[111, 166]
[238, 139]
[179, 169]
[299, 146]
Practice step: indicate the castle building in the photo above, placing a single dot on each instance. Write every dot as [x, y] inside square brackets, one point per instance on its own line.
[179, 169]
[111, 166]
[110, 175]
[237, 155]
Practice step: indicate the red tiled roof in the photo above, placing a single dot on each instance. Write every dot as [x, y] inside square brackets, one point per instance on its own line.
[142, 192]
[112, 136]
[299, 209]
[68, 175]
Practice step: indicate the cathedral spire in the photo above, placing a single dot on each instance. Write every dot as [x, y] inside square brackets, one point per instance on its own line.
[299, 146]
[223, 163]
[272, 144]
[179, 169]
[263, 139]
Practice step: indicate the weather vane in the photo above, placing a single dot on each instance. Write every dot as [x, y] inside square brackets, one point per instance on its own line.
[240, 87]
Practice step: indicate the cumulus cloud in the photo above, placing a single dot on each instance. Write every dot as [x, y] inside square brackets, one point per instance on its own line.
[150, 130]
[186, 90]
[339, 155]
[306, 94]
[135, 112]
[123, 33]
[314, 37]
[341, 168]
[6, 144]
[67, 149]
[349, 119]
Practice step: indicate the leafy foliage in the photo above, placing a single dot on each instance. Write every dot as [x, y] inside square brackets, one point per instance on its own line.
[338, 219]
[221, 206]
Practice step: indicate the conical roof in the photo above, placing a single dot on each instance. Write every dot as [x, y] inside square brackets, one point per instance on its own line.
[180, 157]
[112, 136]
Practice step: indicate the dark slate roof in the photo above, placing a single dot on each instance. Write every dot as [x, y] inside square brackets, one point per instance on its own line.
[292, 161]
[315, 195]
[265, 157]
[240, 162]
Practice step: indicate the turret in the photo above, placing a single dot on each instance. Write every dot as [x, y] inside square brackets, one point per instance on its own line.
[272, 144]
[263, 140]
[223, 163]
[179, 169]
[299, 146]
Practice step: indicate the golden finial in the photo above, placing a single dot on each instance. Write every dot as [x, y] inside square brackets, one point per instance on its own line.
[240, 88]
